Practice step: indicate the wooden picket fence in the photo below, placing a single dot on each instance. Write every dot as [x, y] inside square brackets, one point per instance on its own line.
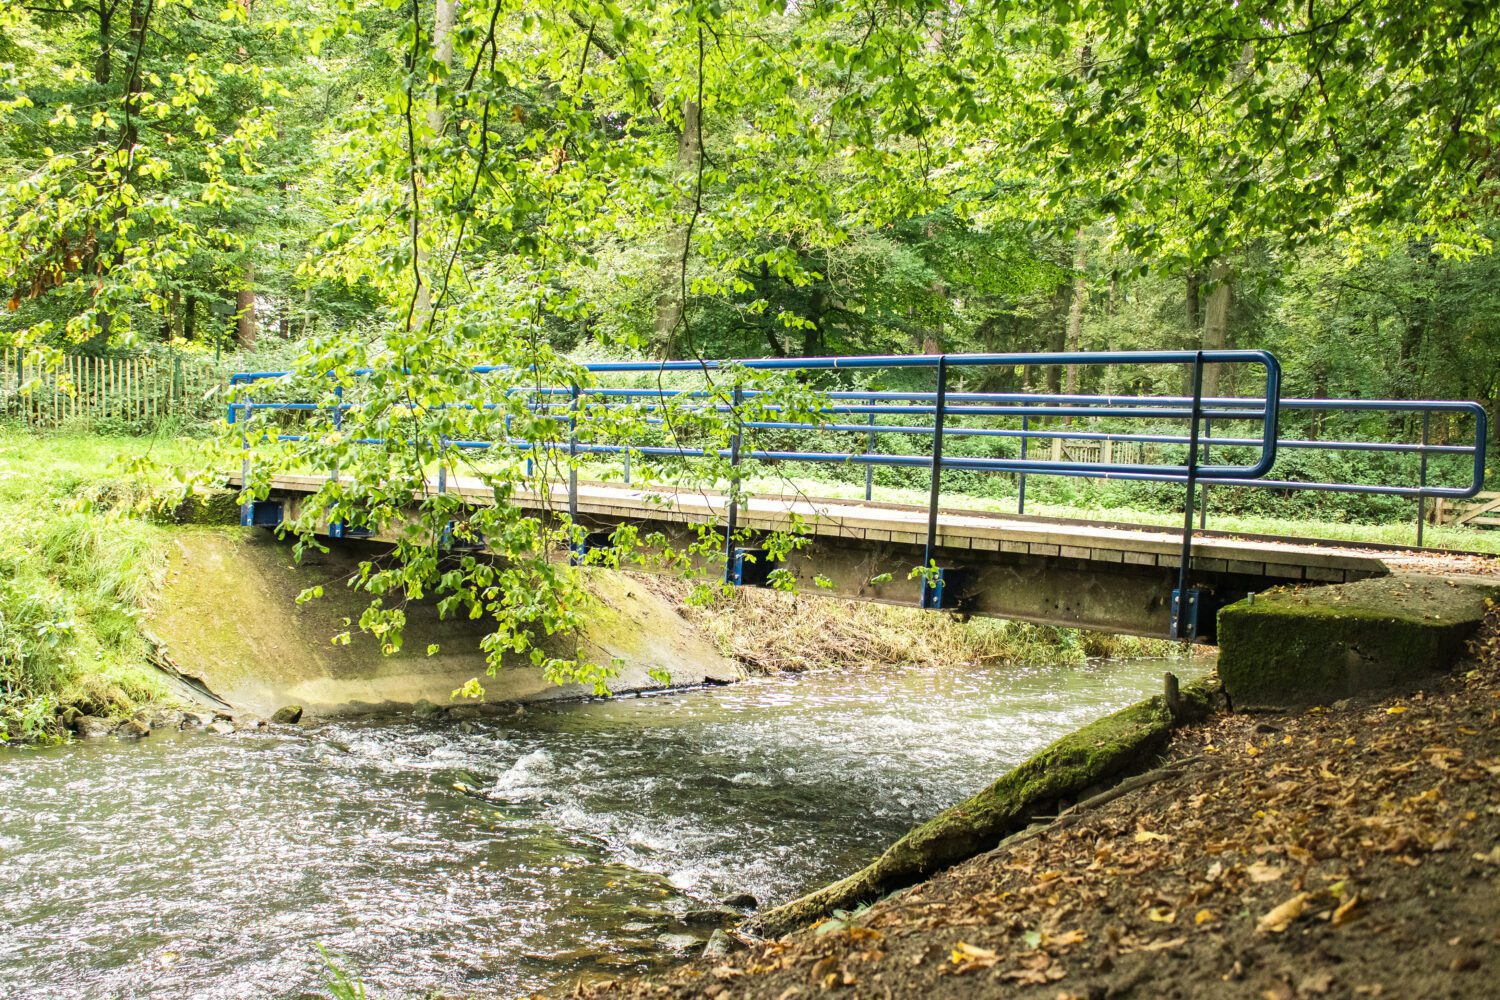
[139, 390]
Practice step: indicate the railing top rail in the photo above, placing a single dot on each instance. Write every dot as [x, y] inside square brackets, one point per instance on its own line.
[861, 361]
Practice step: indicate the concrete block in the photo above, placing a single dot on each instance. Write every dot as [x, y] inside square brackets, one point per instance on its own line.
[1318, 644]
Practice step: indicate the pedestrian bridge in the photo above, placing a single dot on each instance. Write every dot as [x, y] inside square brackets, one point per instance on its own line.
[868, 413]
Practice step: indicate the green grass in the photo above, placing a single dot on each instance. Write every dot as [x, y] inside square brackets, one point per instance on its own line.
[78, 563]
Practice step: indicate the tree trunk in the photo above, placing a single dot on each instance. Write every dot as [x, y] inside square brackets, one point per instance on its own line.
[245, 327]
[1192, 304]
[174, 315]
[102, 64]
[139, 15]
[190, 317]
[1073, 340]
[669, 303]
[1216, 322]
[442, 52]
[1057, 334]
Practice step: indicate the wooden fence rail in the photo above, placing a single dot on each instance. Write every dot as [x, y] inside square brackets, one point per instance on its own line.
[1483, 511]
[133, 390]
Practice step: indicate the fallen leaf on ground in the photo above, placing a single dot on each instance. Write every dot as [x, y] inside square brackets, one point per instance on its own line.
[1262, 872]
[966, 957]
[1282, 916]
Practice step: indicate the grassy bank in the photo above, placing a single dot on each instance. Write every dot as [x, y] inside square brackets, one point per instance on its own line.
[78, 562]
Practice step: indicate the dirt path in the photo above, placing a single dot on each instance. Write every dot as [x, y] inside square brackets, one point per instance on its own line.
[1344, 852]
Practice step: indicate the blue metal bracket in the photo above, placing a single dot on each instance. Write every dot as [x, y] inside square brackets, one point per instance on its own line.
[1187, 603]
[749, 568]
[450, 542]
[942, 588]
[261, 514]
[342, 529]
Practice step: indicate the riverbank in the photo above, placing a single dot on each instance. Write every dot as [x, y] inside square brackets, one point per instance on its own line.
[1348, 850]
[79, 563]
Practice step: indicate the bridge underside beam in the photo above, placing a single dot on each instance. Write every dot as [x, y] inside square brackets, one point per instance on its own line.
[1069, 575]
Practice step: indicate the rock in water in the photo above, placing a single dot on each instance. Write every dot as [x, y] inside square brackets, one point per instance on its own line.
[221, 728]
[196, 720]
[288, 715]
[133, 729]
[91, 727]
[712, 916]
[679, 943]
[741, 901]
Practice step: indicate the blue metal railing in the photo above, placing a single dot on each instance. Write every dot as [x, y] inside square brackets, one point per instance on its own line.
[941, 416]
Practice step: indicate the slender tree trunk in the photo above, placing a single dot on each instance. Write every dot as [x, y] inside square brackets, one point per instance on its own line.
[190, 317]
[245, 325]
[102, 62]
[140, 12]
[1192, 304]
[669, 303]
[1073, 340]
[1216, 321]
[442, 52]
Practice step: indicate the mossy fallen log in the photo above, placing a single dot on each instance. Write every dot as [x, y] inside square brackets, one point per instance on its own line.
[1095, 755]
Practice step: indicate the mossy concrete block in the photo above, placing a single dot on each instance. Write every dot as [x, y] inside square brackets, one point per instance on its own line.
[1094, 755]
[1319, 644]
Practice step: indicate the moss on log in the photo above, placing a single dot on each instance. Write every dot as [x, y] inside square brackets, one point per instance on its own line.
[1319, 644]
[1094, 755]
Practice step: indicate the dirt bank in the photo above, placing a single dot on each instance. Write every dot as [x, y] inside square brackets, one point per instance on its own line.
[1346, 851]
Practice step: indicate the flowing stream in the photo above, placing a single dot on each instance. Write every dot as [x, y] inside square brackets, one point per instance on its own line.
[497, 856]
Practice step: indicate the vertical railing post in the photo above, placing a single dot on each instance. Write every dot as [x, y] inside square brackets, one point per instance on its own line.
[1208, 433]
[731, 515]
[1185, 599]
[1021, 493]
[931, 587]
[573, 457]
[1422, 482]
[338, 425]
[234, 402]
[870, 450]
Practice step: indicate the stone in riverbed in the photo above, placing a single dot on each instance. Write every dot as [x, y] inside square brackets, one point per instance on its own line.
[425, 709]
[221, 728]
[679, 944]
[91, 727]
[741, 901]
[712, 916]
[196, 720]
[133, 729]
[288, 715]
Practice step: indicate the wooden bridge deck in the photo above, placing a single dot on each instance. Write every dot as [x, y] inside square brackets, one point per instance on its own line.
[977, 532]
